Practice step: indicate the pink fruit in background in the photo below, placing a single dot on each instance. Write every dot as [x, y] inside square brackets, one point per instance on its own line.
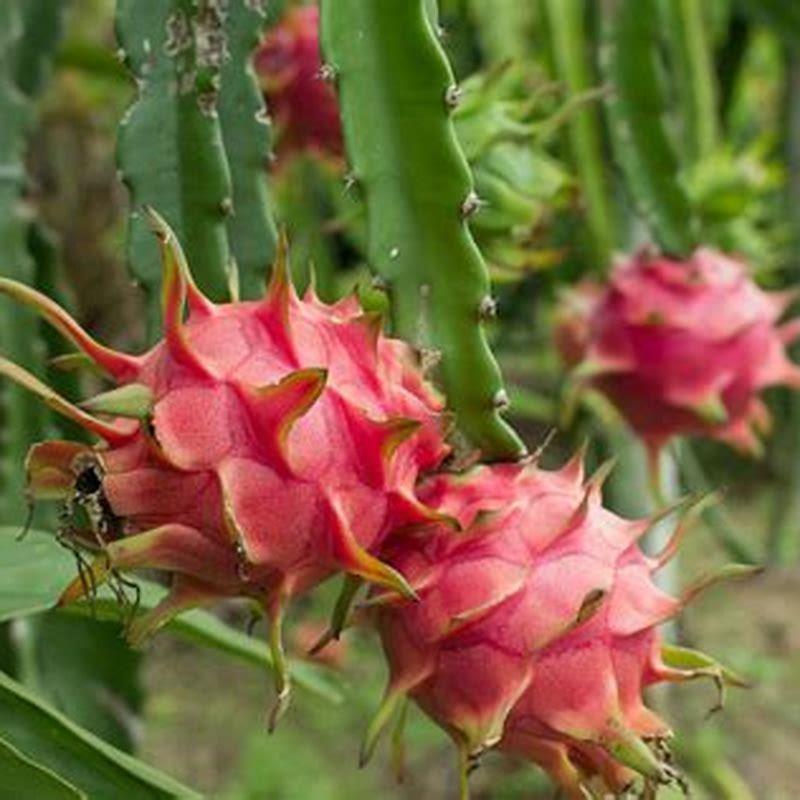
[300, 101]
[572, 323]
[683, 347]
[535, 629]
[258, 448]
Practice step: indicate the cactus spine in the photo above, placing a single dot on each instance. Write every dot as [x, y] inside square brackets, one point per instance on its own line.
[396, 92]
[170, 149]
[246, 134]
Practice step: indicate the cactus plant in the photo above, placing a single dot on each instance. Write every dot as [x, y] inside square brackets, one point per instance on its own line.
[396, 93]
[170, 148]
[636, 107]
[565, 19]
[246, 133]
[18, 330]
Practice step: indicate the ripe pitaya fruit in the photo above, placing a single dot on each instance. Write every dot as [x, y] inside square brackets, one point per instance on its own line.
[254, 451]
[302, 103]
[535, 629]
[682, 347]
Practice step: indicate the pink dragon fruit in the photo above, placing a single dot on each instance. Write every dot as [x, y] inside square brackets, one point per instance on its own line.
[535, 629]
[255, 450]
[301, 102]
[682, 347]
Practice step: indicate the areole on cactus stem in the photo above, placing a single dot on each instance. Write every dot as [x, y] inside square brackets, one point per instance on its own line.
[257, 449]
[535, 630]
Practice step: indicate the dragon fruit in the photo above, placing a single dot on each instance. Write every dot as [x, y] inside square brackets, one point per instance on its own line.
[536, 628]
[301, 102]
[682, 348]
[258, 448]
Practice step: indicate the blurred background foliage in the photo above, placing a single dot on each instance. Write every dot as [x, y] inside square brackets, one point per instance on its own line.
[537, 124]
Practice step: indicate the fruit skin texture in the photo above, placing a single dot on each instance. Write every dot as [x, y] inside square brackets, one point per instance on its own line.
[281, 442]
[302, 103]
[535, 629]
[682, 348]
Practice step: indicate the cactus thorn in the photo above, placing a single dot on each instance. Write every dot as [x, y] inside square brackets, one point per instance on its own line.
[327, 73]
[472, 203]
[487, 309]
[452, 96]
[500, 401]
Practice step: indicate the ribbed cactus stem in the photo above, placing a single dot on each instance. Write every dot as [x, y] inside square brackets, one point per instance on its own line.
[170, 150]
[396, 92]
[505, 28]
[247, 137]
[42, 26]
[19, 418]
[636, 113]
[688, 38]
[568, 30]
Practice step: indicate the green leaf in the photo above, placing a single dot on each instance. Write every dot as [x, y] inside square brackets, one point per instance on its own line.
[88, 671]
[50, 739]
[24, 778]
[34, 572]
[205, 629]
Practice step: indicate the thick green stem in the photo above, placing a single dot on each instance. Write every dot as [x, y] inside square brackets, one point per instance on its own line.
[636, 114]
[20, 420]
[783, 15]
[246, 132]
[688, 40]
[568, 36]
[504, 28]
[784, 537]
[396, 92]
[42, 27]
[170, 150]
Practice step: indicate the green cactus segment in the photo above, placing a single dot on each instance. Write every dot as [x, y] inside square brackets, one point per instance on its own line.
[566, 22]
[636, 108]
[42, 26]
[170, 150]
[783, 16]
[396, 90]
[688, 38]
[246, 133]
[19, 418]
[66, 383]
[504, 28]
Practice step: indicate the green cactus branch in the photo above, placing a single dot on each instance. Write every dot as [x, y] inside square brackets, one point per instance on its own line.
[636, 113]
[688, 39]
[42, 27]
[246, 134]
[505, 28]
[170, 149]
[396, 93]
[568, 30]
[20, 420]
